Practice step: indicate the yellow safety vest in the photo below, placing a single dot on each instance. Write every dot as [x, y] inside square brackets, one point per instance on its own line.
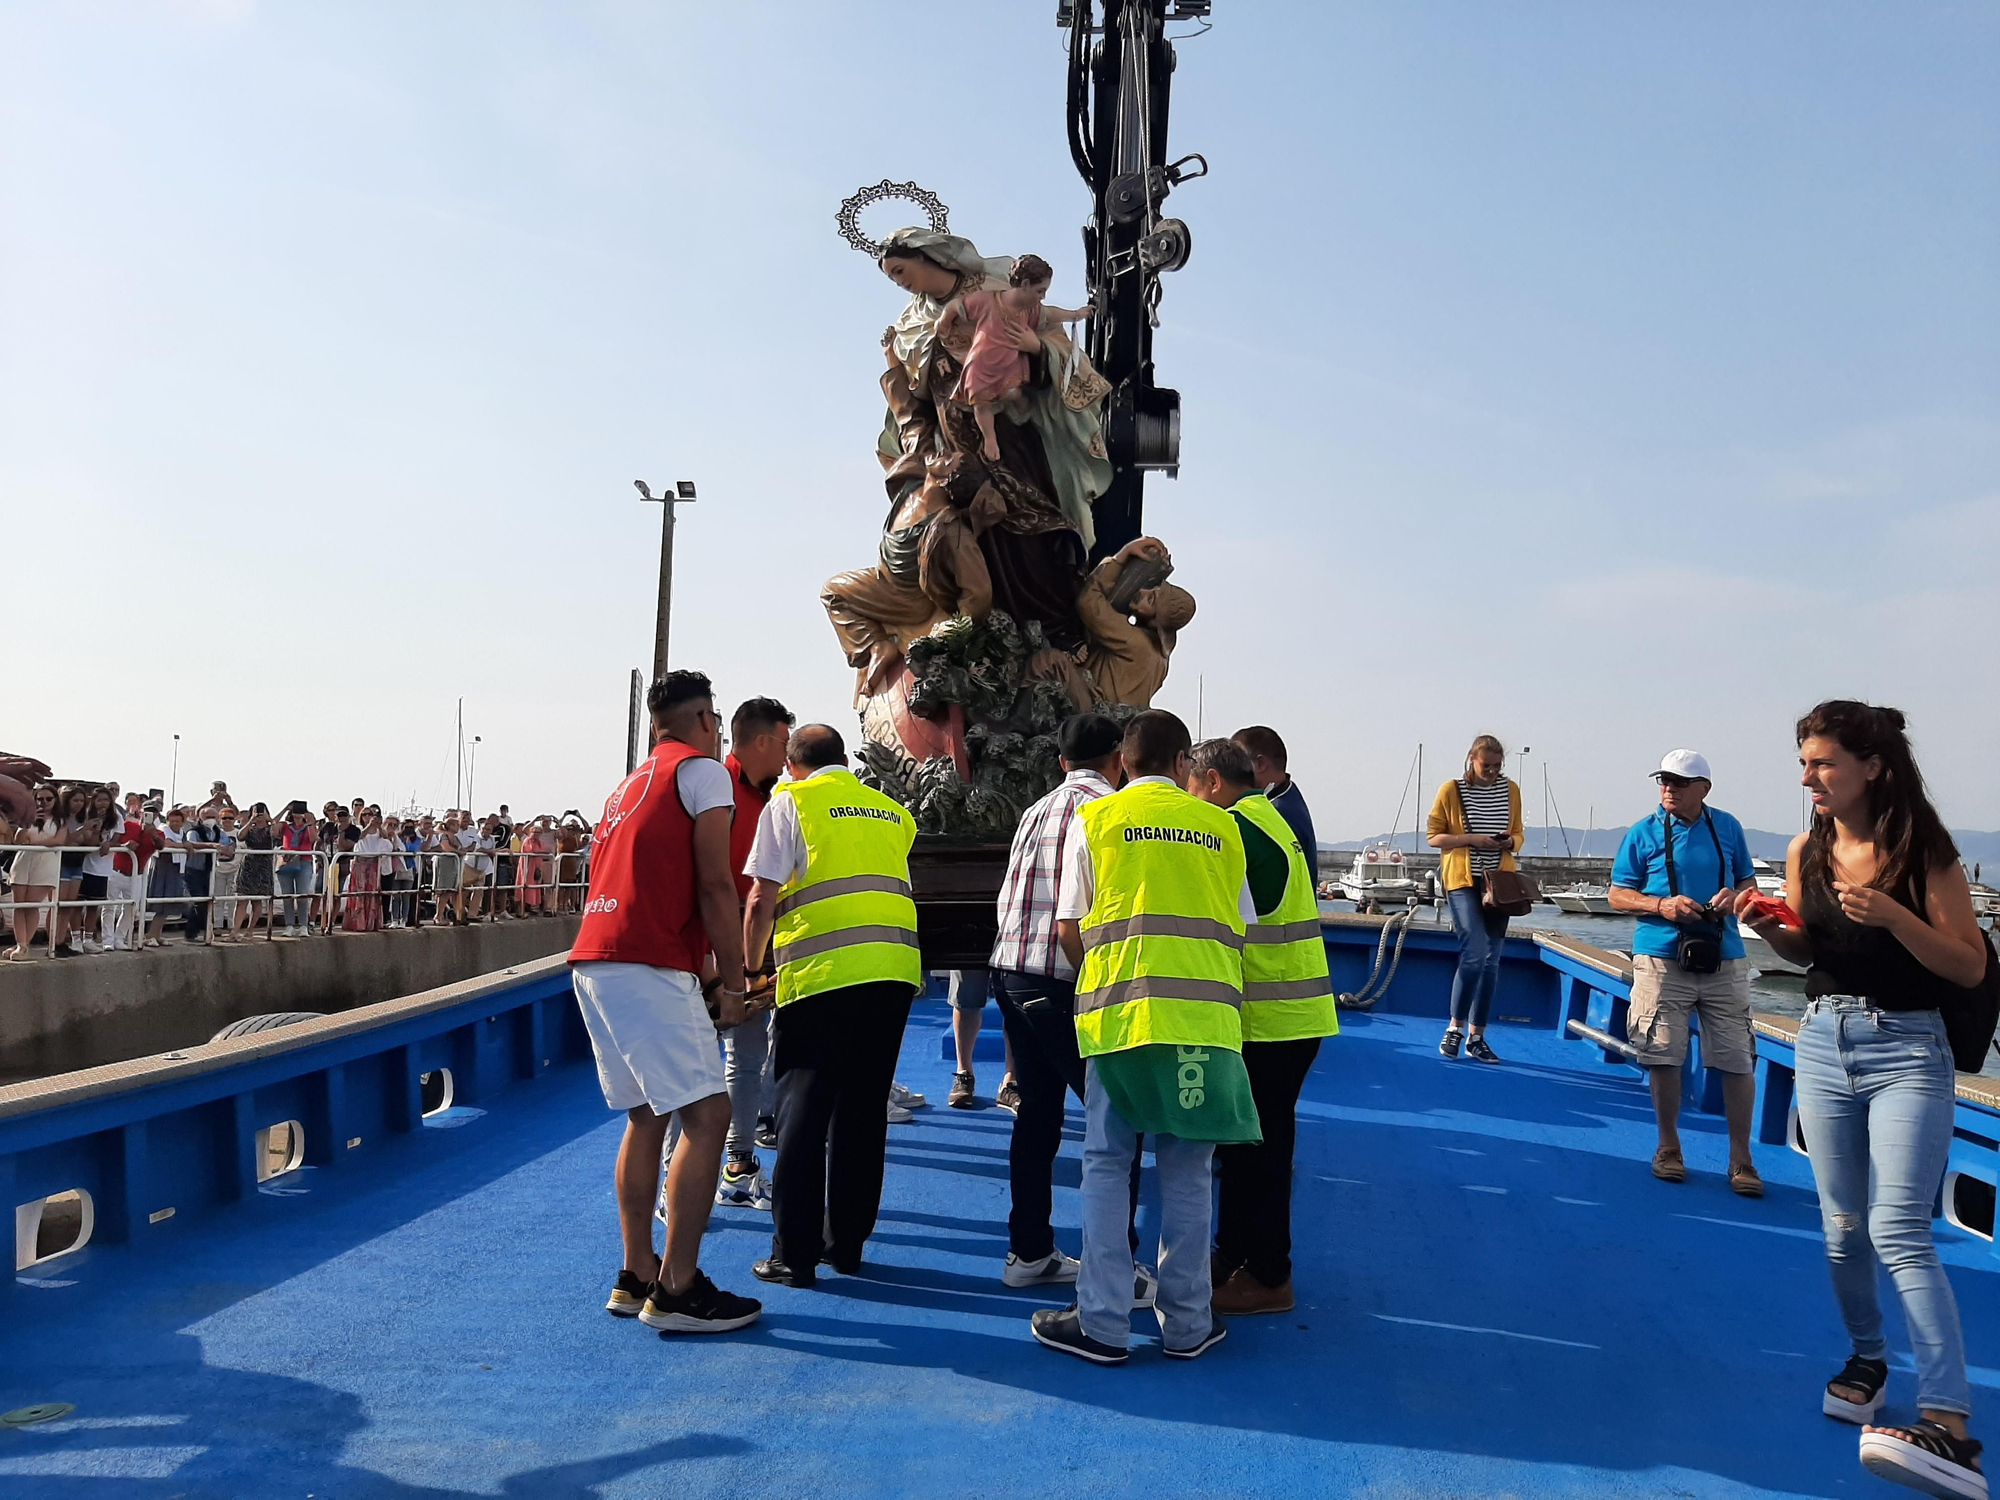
[1286, 992]
[846, 917]
[1163, 939]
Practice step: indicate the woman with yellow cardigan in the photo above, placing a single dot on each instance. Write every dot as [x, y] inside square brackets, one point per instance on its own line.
[1475, 824]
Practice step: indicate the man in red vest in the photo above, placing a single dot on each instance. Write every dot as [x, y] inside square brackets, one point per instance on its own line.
[662, 903]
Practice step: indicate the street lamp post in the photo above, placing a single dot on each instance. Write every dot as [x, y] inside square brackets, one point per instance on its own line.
[683, 493]
[471, 771]
[174, 780]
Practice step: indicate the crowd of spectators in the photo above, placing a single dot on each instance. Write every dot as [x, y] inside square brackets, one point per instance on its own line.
[91, 869]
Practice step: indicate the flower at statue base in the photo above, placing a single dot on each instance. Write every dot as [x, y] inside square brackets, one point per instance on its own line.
[977, 664]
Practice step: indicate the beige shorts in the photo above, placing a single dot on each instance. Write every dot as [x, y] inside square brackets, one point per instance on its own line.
[1663, 995]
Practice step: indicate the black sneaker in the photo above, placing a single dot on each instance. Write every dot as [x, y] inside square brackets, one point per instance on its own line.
[1924, 1456]
[1064, 1330]
[767, 1132]
[1216, 1333]
[1477, 1047]
[628, 1296]
[1449, 1043]
[702, 1307]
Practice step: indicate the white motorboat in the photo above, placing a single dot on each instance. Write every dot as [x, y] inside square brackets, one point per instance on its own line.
[1985, 902]
[1770, 882]
[1380, 879]
[1582, 900]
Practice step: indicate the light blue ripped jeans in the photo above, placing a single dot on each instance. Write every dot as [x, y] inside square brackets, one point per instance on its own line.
[1875, 1097]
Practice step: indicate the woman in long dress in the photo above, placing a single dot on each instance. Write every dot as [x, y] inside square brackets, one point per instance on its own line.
[363, 909]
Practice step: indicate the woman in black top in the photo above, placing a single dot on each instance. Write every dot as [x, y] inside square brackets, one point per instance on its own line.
[1889, 937]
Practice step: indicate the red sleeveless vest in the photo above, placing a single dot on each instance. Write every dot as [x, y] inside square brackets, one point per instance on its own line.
[642, 908]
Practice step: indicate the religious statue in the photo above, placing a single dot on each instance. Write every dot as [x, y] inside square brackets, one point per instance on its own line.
[980, 624]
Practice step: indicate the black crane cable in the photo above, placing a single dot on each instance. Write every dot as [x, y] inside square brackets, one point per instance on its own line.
[1080, 144]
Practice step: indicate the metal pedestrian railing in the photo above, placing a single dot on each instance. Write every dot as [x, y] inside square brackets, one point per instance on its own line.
[309, 892]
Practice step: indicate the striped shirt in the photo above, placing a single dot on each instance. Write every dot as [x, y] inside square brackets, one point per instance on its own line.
[1027, 905]
[1488, 809]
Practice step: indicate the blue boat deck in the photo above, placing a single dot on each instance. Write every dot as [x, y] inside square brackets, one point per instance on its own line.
[1496, 1298]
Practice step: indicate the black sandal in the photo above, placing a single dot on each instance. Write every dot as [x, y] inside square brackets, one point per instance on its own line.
[1925, 1456]
[1865, 1375]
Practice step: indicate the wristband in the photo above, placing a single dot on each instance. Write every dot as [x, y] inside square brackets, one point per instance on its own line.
[727, 991]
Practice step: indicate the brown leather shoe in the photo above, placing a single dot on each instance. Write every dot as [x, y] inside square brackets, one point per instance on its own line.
[1243, 1294]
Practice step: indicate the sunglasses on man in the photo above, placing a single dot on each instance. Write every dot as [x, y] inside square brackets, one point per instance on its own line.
[1668, 779]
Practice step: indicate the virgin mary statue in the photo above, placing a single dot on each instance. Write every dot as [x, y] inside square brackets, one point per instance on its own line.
[1031, 510]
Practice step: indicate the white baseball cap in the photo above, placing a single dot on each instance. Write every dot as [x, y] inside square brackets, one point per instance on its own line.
[1691, 764]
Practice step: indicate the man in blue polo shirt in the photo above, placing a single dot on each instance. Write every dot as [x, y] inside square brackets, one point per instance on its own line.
[1679, 872]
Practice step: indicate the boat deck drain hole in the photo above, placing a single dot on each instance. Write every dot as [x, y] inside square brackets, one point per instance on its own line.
[437, 1089]
[1968, 1204]
[52, 1226]
[281, 1148]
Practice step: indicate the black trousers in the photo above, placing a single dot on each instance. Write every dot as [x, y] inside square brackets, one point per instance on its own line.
[836, 1057]
[1253, 1221]
[1039, 1013]
[194, 915]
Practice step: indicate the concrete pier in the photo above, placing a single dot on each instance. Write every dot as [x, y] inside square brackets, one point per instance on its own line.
[60, 1015]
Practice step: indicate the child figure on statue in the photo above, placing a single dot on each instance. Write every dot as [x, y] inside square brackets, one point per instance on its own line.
[1003, 327]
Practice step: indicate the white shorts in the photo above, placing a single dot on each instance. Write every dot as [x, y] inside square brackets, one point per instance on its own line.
[654, 1041]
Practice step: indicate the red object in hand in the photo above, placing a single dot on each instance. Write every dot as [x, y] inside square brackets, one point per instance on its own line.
[1760, 905]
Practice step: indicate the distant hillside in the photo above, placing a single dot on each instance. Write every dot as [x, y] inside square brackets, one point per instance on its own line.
[1974, 846]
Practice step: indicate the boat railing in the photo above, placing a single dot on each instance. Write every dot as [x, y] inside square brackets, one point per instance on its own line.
[1597, 989]
[185, 1133]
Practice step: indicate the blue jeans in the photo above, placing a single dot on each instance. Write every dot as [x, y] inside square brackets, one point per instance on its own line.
[1875, 1100]
[1481, 934]
[746, 1073]
[294, 881]
[1104, 1285]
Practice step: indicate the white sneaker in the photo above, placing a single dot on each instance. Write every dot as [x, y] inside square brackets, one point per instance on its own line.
[91, 945]
[736, 1189]
[901, 1093]
[1058, 1267]
[1145, 1287]
[899, 1115]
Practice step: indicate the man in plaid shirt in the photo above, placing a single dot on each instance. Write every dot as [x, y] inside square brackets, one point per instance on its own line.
[1036, 987]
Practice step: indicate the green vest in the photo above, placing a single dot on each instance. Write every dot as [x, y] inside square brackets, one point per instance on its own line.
[1163, 938]
[1286, 992]
[846, 917]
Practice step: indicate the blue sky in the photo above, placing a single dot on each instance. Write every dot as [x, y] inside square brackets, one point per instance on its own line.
[1608, 378]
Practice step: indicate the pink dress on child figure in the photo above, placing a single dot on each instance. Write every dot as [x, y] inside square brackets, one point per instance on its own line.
[994, 366]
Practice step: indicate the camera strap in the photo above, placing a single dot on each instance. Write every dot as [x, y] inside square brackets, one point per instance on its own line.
[1667, 838]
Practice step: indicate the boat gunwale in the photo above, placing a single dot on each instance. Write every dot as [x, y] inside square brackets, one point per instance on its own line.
[110, 1080]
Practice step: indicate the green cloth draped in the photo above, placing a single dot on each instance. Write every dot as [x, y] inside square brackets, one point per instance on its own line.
[1196, 1093]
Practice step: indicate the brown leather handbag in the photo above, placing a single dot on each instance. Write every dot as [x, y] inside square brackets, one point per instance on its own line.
[1509, 893]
